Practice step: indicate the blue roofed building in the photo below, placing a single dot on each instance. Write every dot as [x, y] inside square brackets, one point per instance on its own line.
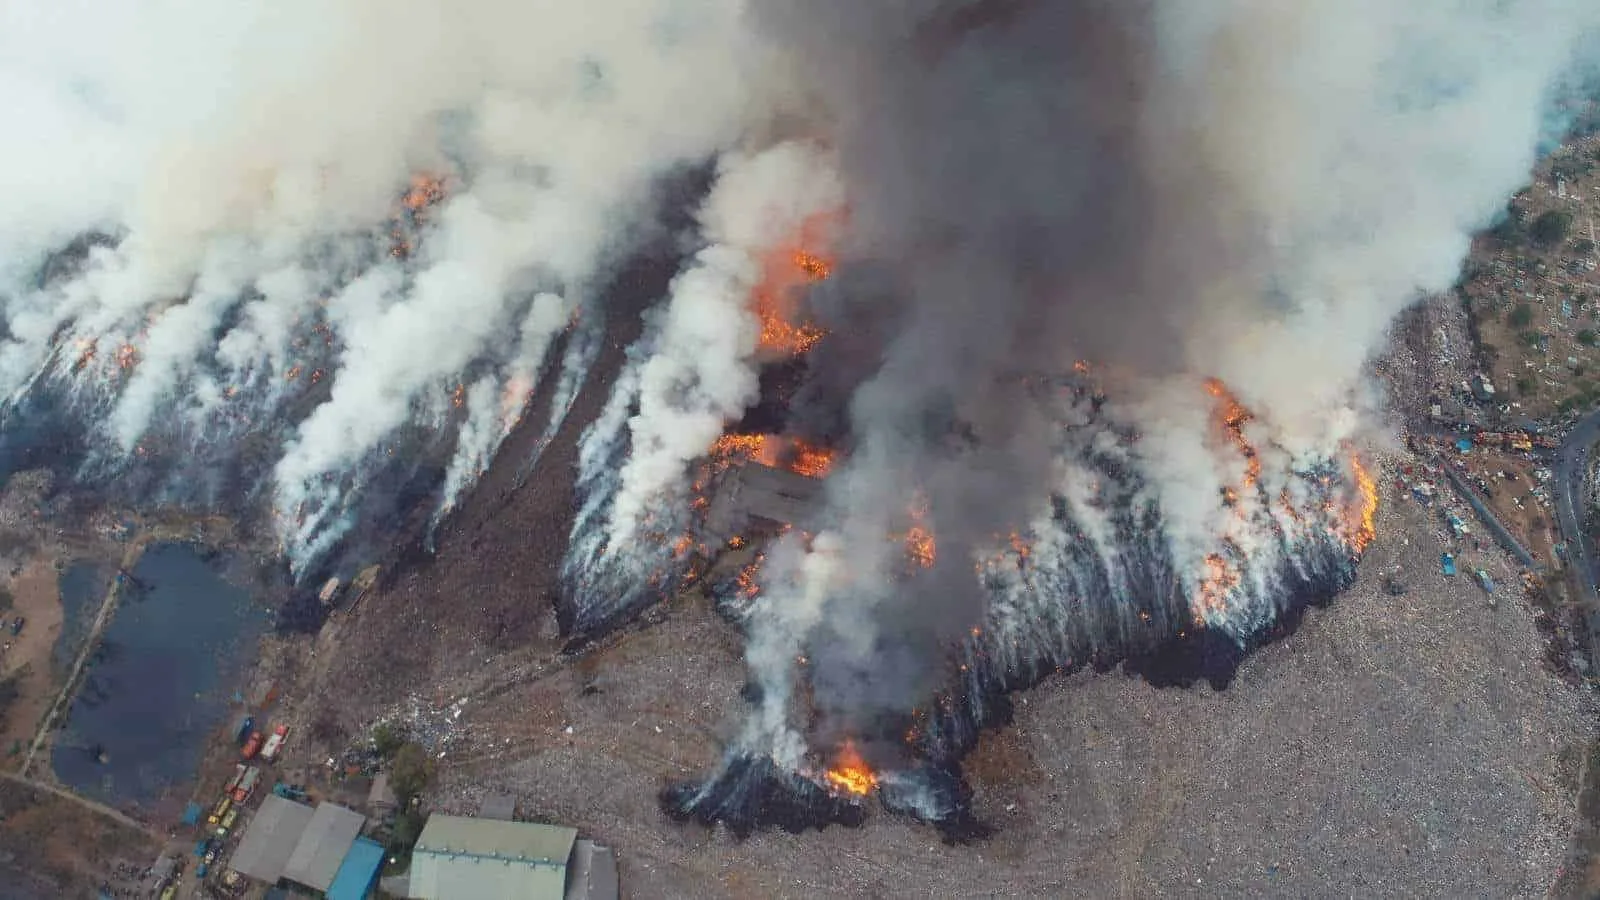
[358, 871]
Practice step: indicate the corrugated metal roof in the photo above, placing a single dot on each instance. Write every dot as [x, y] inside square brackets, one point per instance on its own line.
[322, 847]
[593, 873]
[270, 840]
[467, 858]
[357, 871]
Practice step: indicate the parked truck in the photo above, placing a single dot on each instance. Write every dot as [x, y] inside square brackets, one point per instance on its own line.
[223, 806]
[251, 746]
[238, 774]
[275, 743]
[241, 792]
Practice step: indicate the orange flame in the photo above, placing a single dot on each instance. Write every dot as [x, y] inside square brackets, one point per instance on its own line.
[1219, 581]
[425, 191]
[921, 549]
[811, 461]
[773, 300]
[850, 774]
[1234, 415]
[772, 450]
[1362, 533]
[748, 581]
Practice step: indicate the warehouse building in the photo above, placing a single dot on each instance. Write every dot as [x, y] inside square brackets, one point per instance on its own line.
[310, 847]
[322, 847]
[271, 839]
[464, 858]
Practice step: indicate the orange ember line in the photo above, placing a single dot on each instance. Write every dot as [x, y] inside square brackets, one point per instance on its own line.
[749, 578]
[850, 774]
[1234, 415]
[1219, 581]
[1367, 508]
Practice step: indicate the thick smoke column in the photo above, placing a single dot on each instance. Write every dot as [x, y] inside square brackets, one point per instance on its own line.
[1221, 206]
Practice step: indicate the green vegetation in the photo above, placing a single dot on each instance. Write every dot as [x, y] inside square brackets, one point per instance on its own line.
[387, 740]
[6, 599]
[410, 773]
[1531, 338]
[1521, 316]
[1586, 337]
[1526, 386]
[1583, 247]
[1550, 228]
[1508, 230]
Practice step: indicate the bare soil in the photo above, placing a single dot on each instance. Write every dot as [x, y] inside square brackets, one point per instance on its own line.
[26, 657]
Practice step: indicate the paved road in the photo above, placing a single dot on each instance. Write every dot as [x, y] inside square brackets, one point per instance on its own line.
[1570, 471]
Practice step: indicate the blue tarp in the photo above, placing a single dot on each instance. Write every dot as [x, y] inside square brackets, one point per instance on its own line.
[1463, 445]
[191, 813]
[357, 872]
[1447, 564]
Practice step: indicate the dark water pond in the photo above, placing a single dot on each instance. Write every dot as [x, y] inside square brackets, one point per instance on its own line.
[161, 680]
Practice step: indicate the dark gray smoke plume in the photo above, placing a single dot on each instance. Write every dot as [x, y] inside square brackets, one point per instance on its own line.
[1171, 192]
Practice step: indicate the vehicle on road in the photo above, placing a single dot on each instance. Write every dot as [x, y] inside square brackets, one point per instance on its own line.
[16, 625]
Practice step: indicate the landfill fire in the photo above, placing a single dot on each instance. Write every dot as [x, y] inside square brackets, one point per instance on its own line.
[1006, 338]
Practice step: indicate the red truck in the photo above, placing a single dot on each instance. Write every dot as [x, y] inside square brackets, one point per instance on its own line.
[275, 743]
[251, 746]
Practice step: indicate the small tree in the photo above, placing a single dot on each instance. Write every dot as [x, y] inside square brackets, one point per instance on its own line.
[1586, 337]
[1521, 316]
[1583, 247]
[1526, 386]
[387, 740]
[411, 772]
[1550, 228]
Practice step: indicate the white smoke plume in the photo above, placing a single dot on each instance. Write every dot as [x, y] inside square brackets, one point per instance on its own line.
[702, 372]
[244, 162]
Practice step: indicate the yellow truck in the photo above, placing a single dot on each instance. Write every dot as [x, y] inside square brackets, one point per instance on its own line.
[221, 810]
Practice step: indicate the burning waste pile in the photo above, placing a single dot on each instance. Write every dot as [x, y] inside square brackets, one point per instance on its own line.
[999, 512]
[1012, 337]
